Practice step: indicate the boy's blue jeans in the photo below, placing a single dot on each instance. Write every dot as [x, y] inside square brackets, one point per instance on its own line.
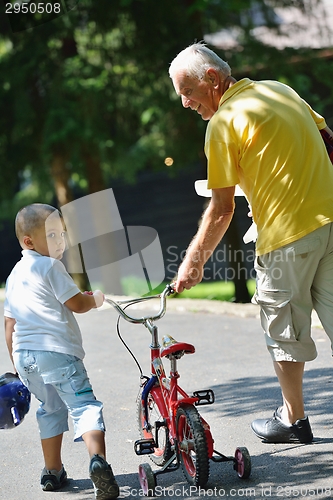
[61, 384]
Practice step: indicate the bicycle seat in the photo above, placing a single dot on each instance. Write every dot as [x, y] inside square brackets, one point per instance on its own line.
[171, 346]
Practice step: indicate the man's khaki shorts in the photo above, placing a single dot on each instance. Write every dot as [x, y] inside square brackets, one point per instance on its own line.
[291, 282]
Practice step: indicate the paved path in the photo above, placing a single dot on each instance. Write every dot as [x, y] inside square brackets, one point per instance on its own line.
[240, 373]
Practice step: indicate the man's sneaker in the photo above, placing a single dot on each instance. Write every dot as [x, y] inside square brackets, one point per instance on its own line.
[51, 480]
[273, 430]
[102, 476]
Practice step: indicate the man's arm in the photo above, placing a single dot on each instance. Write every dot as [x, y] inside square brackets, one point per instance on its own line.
[9, 330]
[215, 222]
[83, 302]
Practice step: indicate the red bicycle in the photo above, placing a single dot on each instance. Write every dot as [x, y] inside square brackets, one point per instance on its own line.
[173, 433]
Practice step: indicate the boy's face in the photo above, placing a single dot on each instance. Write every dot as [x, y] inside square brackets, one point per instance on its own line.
[50, 240]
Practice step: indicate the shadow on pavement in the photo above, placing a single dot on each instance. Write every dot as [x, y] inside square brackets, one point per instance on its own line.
[248, 395]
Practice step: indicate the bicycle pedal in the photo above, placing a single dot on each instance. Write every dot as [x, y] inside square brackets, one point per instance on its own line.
[144, 446]
[205, 397]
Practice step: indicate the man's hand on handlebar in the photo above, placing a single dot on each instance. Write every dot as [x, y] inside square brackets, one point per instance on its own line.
[188, 276]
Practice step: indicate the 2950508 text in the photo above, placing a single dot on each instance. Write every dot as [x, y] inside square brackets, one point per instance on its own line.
[33, 8]
[298, 491]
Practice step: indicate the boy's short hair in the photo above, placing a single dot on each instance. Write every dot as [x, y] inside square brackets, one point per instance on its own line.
[32, 217]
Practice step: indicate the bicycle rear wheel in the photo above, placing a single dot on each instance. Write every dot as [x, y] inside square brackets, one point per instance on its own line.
[163, 452]
[192, 445]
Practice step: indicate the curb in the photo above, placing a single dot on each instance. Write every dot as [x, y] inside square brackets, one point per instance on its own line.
[200, 306]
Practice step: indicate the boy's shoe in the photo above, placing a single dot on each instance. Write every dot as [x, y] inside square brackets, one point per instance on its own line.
[273, 430]
[102, 476]
[51, 480]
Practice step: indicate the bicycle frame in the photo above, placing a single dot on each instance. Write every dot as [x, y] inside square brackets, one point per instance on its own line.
[165, 390]
[174, 408]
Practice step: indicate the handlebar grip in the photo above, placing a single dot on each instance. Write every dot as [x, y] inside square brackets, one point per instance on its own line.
[117, 305]
[171, 288]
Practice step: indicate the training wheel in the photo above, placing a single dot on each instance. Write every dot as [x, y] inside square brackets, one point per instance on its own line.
[147, 480]
[243, 462]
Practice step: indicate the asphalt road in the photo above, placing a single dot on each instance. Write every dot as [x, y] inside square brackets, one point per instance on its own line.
[232, 360]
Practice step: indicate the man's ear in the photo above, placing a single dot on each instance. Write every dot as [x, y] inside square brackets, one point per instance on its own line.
[212, 76]
[28, 243]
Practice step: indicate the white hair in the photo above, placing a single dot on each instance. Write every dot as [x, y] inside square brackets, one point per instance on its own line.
[196, 59]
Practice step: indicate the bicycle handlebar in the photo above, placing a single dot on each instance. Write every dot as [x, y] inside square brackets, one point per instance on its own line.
[162, 296]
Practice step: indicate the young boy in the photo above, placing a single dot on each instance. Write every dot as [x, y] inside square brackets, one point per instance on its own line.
[45, 346]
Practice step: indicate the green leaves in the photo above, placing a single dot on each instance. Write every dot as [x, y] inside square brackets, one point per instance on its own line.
[96, 80]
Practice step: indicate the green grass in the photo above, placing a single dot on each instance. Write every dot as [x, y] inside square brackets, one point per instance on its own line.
[211, 290]
[216, 290]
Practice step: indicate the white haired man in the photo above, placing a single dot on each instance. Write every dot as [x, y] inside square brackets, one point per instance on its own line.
[264, 137]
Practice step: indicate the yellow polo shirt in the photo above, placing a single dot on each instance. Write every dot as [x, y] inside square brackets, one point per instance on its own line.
[265, 138]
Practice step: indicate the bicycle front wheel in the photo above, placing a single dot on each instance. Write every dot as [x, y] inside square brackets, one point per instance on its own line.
[192, 445]
[163, 452]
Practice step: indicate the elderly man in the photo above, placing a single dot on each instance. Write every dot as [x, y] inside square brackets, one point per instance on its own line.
[264, 137]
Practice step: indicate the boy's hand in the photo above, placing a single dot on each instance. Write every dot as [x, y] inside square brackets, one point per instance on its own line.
[84, 301]
[99, 298]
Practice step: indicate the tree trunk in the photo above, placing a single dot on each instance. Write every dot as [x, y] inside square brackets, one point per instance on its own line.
[61, 176]
[96, 184]
[232, 236]
[94, 173]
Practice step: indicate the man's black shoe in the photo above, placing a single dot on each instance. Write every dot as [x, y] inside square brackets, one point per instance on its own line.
[273, 430]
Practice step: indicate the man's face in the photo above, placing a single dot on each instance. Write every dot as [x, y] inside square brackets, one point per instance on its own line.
[200, 95]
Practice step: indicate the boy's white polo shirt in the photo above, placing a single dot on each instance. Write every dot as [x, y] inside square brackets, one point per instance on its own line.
[36, 291]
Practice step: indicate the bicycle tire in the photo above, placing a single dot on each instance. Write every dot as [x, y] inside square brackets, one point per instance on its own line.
[243, 462]
[147, 480]
[161, 454]
[192, 445]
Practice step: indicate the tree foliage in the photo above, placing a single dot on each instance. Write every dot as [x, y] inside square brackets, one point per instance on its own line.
[86, 97]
